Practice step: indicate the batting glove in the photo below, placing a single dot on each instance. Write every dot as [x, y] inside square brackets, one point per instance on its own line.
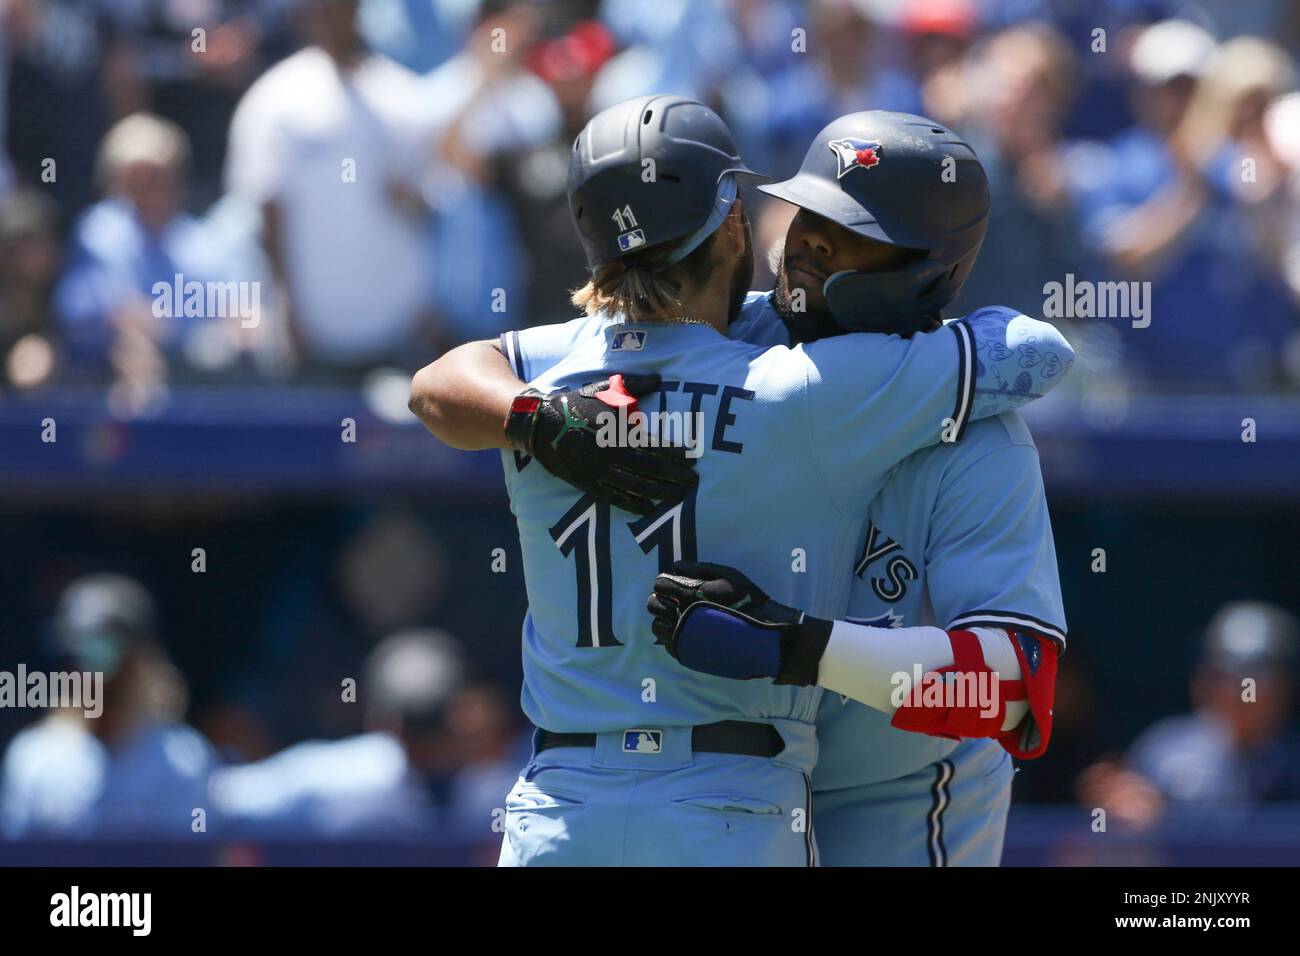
[714, 620]
[560, 430]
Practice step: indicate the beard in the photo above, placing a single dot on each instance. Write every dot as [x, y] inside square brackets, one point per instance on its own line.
[808, 324]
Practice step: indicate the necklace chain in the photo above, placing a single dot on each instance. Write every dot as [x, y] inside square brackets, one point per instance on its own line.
[685, 320]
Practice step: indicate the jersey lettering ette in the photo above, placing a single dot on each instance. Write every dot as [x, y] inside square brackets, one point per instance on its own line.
[793, 452]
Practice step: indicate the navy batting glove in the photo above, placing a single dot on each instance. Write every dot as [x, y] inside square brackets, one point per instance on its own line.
[714, 620]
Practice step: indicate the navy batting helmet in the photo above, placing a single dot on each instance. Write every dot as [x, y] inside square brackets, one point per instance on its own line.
[652, 170]
[906, 181]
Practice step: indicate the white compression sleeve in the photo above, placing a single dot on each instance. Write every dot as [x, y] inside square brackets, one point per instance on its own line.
[862, 662]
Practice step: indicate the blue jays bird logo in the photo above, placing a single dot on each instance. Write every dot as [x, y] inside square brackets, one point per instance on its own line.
[888, 619]
[853, 153]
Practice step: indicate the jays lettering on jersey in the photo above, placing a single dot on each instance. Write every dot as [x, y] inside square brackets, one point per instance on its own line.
[959, 537]
[775, 422]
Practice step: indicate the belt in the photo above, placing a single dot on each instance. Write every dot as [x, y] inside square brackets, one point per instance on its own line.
[743, 737]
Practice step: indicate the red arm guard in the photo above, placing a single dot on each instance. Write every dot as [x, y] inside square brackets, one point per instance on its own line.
[1038, 668]
[954, 706]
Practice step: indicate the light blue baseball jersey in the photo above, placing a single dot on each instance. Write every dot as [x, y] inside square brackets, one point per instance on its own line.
[959, 537]
[797, 443]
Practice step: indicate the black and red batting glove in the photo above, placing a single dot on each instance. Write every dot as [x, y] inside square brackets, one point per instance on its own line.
[563, 431]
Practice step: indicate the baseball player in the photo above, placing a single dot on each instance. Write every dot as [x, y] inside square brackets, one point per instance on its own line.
[638, 759]
[959, 536]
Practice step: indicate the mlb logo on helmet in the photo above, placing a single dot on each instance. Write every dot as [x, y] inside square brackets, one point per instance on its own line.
[633, 341]
[631, 240]
[643, 741]
[851, 153]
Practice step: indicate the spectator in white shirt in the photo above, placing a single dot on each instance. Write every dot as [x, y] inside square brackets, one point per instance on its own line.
[330, 144]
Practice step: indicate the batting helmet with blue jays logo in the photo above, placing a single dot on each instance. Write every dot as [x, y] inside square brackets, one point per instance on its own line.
[906, 181]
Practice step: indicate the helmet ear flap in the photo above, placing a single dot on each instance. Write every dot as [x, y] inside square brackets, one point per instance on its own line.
[885, 301]
[932, 286]
[941, 289]
[950, 287]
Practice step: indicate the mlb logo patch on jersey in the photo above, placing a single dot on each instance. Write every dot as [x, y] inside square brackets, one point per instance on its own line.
[851, 153]
[643, 741]
[631, 240]
[631, 341]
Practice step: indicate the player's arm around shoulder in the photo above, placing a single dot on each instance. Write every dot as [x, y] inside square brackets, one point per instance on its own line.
[993, 350]
[475, 397]
[1017, 358]
[873, 399]
[464, 396]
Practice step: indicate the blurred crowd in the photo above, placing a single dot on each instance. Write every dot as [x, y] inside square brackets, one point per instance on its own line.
[243, 191]
[1236, 748]
[433, 750]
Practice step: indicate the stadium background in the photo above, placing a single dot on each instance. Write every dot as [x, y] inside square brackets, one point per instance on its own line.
[197, 432]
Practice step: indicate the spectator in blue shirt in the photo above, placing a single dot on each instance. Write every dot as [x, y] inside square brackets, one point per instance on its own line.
[1017, 90]
[1162, 203]
[134, 238]
[135, 769]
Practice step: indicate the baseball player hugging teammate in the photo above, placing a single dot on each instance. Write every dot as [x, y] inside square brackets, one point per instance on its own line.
[860, 464]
